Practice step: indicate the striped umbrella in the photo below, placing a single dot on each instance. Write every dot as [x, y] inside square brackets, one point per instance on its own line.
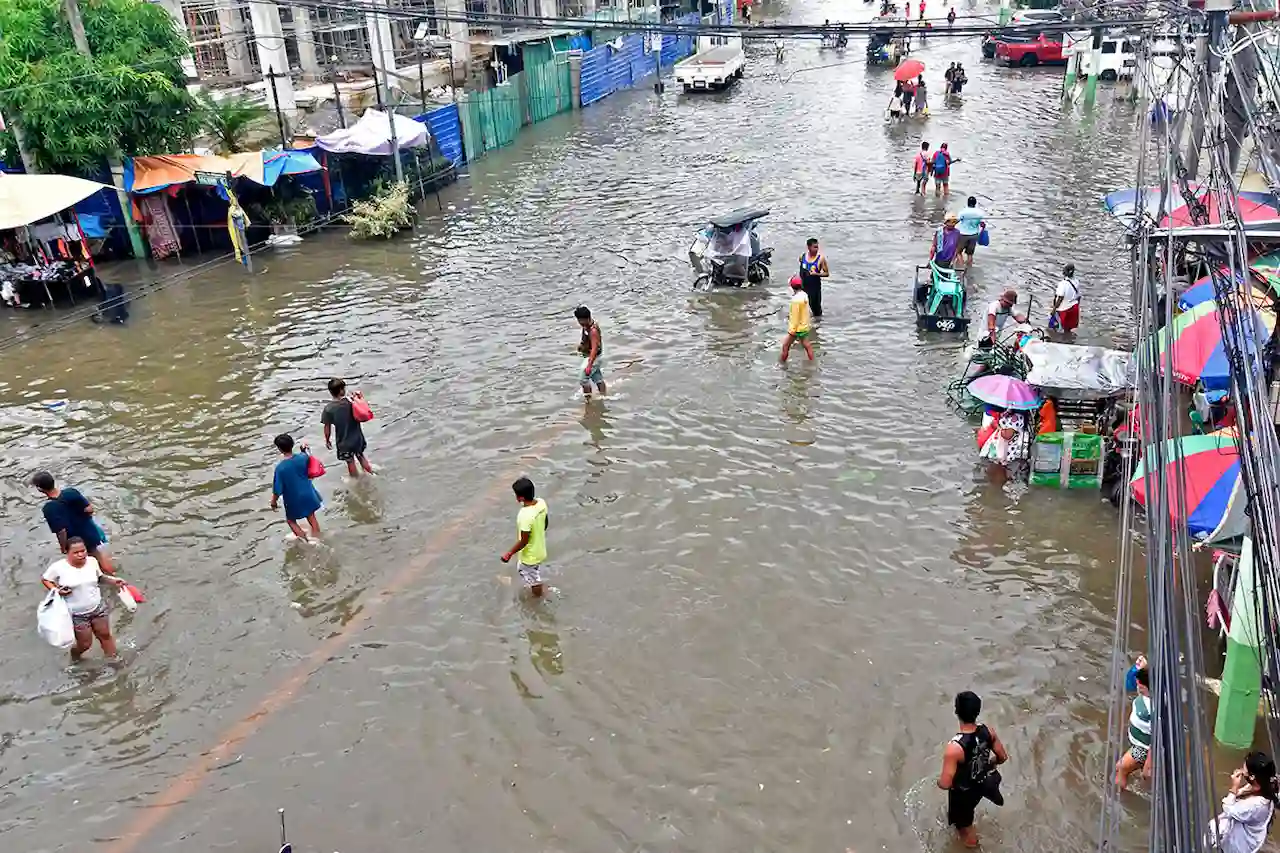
[1203, 291]
[1212, 490]
[1199, 353]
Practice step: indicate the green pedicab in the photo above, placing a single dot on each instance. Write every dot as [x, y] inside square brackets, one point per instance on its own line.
[939, 300]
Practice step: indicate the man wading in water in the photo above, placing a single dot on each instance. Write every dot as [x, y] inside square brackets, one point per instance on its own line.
[591, 348]
[813, 269]
[969, 768]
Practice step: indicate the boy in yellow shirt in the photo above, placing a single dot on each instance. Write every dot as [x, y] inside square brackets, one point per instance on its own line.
[798, 321]
[531, 542]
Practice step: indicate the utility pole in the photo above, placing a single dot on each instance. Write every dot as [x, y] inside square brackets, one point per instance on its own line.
[422, 82]
[1095, 64]
[275, 100]
[72, 8]
[655, 44]
[337, 93]
[391, 124]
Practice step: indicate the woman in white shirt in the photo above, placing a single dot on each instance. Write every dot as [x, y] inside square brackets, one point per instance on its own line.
[1248, 807]
[76, 577]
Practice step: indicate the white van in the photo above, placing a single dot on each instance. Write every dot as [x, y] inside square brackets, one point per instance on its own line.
[1119, 55]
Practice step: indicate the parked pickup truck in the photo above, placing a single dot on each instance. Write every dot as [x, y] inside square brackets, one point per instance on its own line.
[1025, 18]
[1043, 50]
[718, 62]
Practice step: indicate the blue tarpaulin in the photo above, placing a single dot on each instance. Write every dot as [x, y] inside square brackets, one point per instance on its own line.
[278, 163]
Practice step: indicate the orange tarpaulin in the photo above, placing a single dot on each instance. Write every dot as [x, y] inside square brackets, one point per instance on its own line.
[152, 173]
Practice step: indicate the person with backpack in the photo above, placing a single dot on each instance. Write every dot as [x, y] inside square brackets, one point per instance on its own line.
[969, 764]
[942, 171]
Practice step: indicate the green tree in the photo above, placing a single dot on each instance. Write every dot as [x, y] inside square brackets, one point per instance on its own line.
[229, 121]
[130, 97]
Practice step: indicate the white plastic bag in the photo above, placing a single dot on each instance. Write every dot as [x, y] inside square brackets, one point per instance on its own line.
[126, 598]
[53, 621]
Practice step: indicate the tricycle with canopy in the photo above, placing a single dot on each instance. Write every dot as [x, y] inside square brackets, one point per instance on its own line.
[728, 252]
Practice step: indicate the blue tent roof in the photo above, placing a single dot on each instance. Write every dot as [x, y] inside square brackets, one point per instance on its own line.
[278, 163]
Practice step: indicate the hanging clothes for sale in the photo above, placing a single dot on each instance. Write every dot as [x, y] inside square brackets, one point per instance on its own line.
[161, 233]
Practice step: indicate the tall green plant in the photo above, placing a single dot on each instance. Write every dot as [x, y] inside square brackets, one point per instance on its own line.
[75, 110]
[229, 121]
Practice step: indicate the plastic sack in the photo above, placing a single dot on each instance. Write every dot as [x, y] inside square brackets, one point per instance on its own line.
[53, 621]
[126, 598]
[315, 468]
[360, 410]
[136, 593]
[984, 238]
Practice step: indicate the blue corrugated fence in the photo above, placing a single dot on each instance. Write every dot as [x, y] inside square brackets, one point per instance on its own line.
[624, 62]
[446, 129]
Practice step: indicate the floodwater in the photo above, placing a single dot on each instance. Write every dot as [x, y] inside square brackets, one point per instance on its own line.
[769, 582]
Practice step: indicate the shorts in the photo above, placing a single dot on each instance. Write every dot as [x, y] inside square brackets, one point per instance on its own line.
[968, 244]
[1069, 319]
[346, 454]
[941, 180]
[83, 620]
[800, 335]
[1139, 753]
[595, 375]
[531, 575]
[961, 807]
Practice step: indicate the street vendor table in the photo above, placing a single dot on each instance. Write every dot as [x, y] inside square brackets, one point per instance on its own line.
[36, 284]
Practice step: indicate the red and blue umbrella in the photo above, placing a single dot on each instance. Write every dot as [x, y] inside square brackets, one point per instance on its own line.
[1209, 482]
[1005, 392]
[1264, 280]
[1199, 352]
[1252, 208]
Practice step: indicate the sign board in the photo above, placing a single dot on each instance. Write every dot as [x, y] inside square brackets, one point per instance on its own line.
[655, 43]
[210, 179]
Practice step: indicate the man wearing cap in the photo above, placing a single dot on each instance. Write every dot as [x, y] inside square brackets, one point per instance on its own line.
[946, 243]
[999, 311]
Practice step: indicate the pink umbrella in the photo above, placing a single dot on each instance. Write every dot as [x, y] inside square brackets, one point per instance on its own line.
[1005, 392]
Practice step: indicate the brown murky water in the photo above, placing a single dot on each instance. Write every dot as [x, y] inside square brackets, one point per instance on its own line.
[770, 583]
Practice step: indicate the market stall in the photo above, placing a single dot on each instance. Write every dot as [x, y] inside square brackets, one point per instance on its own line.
[182, 203]
[44, 253]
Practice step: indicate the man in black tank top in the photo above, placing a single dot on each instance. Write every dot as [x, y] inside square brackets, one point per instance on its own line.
[591, 347]
[969, 768]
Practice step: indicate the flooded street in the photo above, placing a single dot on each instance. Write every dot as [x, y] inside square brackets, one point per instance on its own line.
[770, 582]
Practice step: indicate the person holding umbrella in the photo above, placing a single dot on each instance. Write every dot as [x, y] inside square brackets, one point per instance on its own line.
[906, 74]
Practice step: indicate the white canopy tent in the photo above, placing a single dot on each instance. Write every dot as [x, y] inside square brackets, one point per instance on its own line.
[25, 199]
[372, 135]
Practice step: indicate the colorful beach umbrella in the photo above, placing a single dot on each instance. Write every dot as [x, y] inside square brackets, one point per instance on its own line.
[1005, 392]
[1199, 354]
[1213, 497]
[1202, 290]
[1252, 208]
